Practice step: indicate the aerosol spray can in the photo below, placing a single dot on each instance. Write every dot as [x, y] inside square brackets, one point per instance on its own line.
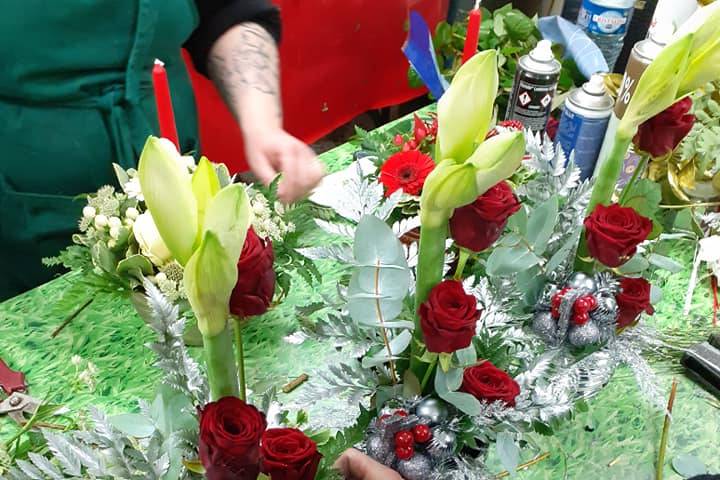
[585, 118]
[534, 87]
[643, 53]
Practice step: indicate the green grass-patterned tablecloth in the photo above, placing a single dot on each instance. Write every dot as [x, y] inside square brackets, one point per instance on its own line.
[617, 438]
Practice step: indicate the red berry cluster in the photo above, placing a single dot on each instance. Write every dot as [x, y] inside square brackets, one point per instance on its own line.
[423, 131]
[505, 125]
[581, 308]
[405, 440]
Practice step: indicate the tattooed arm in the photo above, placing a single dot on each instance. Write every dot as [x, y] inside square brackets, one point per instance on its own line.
[243, 63]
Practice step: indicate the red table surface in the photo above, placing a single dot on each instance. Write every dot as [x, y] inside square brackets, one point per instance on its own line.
[339, 58]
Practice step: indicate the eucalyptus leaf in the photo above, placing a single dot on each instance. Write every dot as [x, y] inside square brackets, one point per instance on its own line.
[541, 224]
[518, 222]
[563, 253]
[464, 402]
[137, 262]
[450, 381]
[411, 385]
[466, 356]
[508, 452]
[103, 257]
[636, 264]
[397, 346]
[665, 263]
[655, 294]
[133, 424]
[509, 260]
[121, 175]
[688, 465]
[381, 277]
[645, 197]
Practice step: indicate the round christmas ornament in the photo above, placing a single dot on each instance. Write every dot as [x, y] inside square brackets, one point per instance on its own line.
[433, 410]
[418, 467]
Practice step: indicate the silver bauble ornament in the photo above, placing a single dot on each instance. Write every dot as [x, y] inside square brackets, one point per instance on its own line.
[544, 325]
[583, 335]
[579, 280]
[378, 449]
[442, 444]
[607, 304]
[432, 409]
[419, 467]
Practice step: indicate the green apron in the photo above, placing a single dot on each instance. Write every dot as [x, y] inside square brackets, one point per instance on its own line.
[75, 96]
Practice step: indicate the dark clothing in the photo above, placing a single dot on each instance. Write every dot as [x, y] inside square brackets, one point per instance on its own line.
[218, 16]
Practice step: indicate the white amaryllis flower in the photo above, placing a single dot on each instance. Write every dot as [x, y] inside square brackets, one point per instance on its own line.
[150, 241]
[710, 253]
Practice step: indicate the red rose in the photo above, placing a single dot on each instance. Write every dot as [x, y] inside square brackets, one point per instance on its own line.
[633, 299]
[448, 317]
[288, 454]
[487, 382]
[406, 170]
[614, 232]
[255, 285]
[660, 135]
[505, 126]
[230, 432]
[551, 127]
[480, 224]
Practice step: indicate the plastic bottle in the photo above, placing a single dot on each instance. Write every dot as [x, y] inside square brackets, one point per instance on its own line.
[606, 22]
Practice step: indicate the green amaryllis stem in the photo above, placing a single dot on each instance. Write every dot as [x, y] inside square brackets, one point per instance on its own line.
[464, 256]
[607, 177]
[222, 374]
[639, 170]
[240, 357]
[431, 258]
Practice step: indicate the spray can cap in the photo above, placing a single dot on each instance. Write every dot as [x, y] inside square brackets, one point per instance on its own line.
[662, 32]
[595, 86]
[542, 51]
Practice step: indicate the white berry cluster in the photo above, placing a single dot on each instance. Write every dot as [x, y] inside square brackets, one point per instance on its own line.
[268, 220]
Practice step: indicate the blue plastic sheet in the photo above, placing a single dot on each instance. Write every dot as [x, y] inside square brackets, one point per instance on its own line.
[578, 45]
[419, 51]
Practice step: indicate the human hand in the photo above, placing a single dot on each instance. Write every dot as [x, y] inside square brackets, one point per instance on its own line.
[274, 152]
[354, 465]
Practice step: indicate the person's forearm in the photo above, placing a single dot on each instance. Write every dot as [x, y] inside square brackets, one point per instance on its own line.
[243, 64]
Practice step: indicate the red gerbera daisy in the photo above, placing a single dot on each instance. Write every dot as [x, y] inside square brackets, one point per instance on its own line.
[406, 170]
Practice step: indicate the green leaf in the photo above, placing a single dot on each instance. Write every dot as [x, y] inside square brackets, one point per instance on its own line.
[688, 465]
[449, 381]
[636, 264]
[411, 385]
[443, 35]
[380, 278]
[135, 262]
[506, 261]
[464, 402]
[508, 452]
[563, 252]
[466, 356]
[397, 346]
[541, 224]
[665, 263]
[542, 428]
[518, 222]
[133, 424]
[445, 360]
[320, 437]
[121, 175]
[518, 25]
[645, 198]
[103, 257]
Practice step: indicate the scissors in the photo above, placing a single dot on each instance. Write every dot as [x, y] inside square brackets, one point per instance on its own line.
[17, 404]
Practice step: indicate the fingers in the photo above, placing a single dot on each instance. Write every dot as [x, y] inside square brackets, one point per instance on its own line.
[354, 465]
[261, 165]
[301, 171]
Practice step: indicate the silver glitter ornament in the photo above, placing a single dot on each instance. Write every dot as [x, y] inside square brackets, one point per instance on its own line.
[432, 409]
[442, 444]
[544, 325]
[419, 467]
[583, 335]
[607, 303]
[579, 280]
[377, 448]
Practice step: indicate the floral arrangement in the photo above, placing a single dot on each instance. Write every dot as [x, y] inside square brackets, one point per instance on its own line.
[517, 301]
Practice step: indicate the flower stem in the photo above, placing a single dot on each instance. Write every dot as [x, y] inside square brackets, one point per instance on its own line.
[240, 357]
[222, 374]
[431, 258]
[610, 169]
[428, 373]
[462, 261]
[642, 164]
[665, 431]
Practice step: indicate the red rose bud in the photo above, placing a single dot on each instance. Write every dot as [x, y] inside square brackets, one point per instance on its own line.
[407, 170]
[448, 317]
[400, 413]
[398, 140]
[230, 432]
[422, 433]
[404, 453]
[614, 232]
[551, 127]
[288, 454]
[489, 383]
[419, 129]
[633, 299]
[404, 438]
[255, 285]
[662, 133]
[478, 225]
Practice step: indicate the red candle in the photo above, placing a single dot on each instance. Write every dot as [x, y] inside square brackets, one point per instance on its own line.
[473, 32]
[166, 117]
